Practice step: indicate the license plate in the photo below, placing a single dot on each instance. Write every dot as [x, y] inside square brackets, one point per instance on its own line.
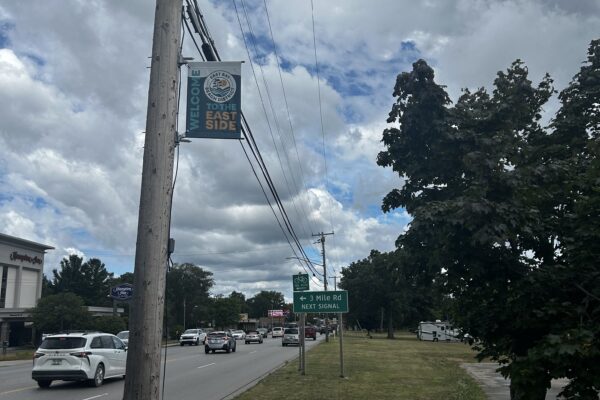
[55, 362]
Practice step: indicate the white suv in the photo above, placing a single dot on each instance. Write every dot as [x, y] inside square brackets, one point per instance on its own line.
[90, 357]
[192, 337]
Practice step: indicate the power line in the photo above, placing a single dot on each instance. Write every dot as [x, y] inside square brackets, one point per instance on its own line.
[251, 143]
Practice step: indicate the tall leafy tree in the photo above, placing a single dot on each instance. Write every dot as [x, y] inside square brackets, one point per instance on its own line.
[224, 312]
[463, 173]
[386, 282]
[263, 301]
[89, 280]
[188, 288]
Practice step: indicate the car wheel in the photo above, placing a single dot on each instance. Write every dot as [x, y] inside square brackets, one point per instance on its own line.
[181, 344]
[246, 342]
[234, 347]
[44, 383]
[213, 352]
[435, 339]
[98, 376]
[197, 343]
[315, 338]
[228, 349]
[206, 350]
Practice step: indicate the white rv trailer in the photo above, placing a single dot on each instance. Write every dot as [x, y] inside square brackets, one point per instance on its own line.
[437, 331]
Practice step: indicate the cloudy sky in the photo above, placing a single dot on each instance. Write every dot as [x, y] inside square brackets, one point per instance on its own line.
[73, 95]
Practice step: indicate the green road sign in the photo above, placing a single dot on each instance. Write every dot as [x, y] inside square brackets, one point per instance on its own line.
[321, 302]
[300, 282]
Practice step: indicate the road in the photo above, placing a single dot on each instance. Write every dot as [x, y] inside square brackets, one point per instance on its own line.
[190, 374]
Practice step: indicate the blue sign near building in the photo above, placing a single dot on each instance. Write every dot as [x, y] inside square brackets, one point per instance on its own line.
[122, 292]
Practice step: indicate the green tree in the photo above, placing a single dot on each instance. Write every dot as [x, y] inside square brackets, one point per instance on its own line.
[260, 303]
[464, 169]
[60, 312]
[386, 282]
[187, 290]
[89, 280]
[108, 324]
[224, 311]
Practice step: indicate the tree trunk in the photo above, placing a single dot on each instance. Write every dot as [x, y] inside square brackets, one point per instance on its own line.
[381, 321]
[390, 334]
[531, 392]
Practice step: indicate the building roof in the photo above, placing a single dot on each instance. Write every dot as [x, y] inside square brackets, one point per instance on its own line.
[23, 242]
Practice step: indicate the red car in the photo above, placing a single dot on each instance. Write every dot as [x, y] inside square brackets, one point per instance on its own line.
[310, 332]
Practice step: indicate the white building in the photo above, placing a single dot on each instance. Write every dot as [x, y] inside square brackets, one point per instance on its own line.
[21, 271]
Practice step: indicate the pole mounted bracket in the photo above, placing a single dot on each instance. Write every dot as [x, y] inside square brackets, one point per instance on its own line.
[183, 60]
[181, 138]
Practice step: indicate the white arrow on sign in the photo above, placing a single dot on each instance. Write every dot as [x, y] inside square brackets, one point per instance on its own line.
[302, 298]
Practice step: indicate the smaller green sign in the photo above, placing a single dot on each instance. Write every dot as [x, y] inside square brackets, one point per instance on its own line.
[301, 282]
[321, 302]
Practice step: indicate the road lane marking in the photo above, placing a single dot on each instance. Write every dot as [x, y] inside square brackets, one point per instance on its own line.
[252, 352]
[18, 390]
[95, 397]
[207, 365]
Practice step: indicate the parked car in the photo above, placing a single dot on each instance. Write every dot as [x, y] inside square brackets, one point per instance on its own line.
[219, 340]
[290, 336]
[238, 334]
[192, 337]
[310, 332]
[90, 357]
[124, 336]
[263, 331]
[253, 336]
[277, 332]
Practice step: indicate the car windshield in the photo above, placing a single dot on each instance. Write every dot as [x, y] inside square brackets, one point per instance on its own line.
[238, 331]
[252, 333]
[291, 331]
[123, 335]
[63, 342]
[217, 334]
[191, 331]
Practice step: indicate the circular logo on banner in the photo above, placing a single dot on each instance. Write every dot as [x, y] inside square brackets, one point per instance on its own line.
[220, 86]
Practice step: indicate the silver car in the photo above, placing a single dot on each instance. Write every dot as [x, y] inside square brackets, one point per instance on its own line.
[253, 336]
[290, 336]
[219, 340]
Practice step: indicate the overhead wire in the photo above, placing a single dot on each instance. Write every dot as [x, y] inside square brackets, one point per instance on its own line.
[270, 101]
[251, 143]
[287, 108]
[312, 7]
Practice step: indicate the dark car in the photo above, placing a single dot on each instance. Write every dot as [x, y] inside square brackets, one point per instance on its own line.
[219, 340]
[310, 332]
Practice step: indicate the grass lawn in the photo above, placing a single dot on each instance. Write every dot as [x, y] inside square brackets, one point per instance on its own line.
[17, 355]
[375, 369]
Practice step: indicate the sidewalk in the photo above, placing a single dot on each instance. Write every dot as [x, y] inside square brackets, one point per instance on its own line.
[496, 387]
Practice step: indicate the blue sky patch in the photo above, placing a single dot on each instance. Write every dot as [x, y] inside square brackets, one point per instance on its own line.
[40, 62]
[5, 28]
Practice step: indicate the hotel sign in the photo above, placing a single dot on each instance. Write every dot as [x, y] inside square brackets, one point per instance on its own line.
[213, 100]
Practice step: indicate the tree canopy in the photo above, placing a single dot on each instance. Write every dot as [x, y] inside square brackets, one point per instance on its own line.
[504, 211]
[89, 280]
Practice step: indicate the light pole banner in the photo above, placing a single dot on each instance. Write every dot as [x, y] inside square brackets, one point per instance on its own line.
[213, 100]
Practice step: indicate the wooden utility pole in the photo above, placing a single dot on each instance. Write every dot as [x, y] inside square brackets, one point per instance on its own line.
[322, 241]
[146, 320]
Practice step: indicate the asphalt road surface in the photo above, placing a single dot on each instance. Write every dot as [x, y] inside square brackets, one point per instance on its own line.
[190, 374]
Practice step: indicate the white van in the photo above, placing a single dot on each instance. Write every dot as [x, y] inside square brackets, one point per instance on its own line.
[435, 331]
